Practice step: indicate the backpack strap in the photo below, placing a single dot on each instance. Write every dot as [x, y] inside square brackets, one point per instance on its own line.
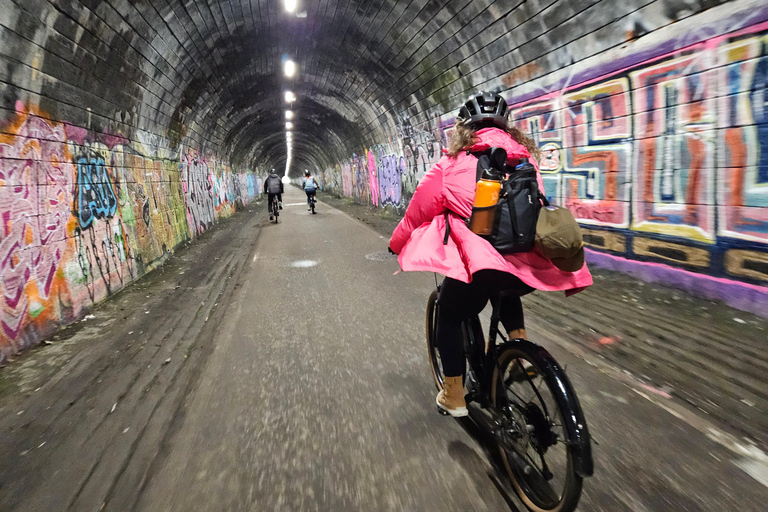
[446, 213]
[447, 228]
[478, 154]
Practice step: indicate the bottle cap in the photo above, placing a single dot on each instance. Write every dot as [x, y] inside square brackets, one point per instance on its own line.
[489, 173]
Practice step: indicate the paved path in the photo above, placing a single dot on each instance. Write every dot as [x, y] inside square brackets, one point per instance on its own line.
[282, 367]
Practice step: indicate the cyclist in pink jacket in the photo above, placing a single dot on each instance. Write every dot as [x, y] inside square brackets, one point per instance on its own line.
[474, 271]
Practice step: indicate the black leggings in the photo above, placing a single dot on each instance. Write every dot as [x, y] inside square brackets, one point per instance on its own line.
[269, 200]
[461, 301]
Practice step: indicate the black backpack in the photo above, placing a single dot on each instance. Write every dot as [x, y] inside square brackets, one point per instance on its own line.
[519, 203]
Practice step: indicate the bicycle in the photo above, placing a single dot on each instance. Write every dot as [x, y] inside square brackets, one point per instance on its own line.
[275, 208]
[312, 201]
[506, 383]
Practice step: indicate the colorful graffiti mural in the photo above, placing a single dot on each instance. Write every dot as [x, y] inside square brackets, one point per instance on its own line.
[84, 214]
[670, 153]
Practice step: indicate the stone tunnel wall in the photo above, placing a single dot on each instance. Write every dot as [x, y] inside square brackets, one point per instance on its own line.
[88, 202]
[658, 145]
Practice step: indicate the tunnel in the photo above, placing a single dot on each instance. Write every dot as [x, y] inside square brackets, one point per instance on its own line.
[165, 345]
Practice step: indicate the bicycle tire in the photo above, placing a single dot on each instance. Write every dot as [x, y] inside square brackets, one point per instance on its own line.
[530, 482]
[432, 351]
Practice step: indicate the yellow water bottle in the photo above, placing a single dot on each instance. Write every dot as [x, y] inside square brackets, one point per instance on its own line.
[486, 198]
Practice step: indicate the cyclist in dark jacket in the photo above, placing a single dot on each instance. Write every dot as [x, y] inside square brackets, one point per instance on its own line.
[273, 186]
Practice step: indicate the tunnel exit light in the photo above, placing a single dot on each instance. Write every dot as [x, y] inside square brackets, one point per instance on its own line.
[289, 68]
[290, 5]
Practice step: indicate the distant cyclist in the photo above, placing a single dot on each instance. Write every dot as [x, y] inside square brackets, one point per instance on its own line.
[273, 186]
[310, 185]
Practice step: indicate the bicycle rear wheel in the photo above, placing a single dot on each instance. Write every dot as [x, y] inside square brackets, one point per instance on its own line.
[535, 447]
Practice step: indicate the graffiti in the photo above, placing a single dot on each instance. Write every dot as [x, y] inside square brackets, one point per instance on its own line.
[347, 179]
[76, 229]
[103, 258]
[743, 140]
[95, 198]
[33, 234]
[198, 190]
[391, 168]
[675, 147]
[674, 117]
[373, 178]
[585, 150]
[419, 158]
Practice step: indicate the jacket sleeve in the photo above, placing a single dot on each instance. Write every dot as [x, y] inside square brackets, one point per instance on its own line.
[426, 203]
[281, 187]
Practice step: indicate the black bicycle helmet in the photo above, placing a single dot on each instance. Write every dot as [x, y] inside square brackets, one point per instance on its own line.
[484, 109]
[306, 172]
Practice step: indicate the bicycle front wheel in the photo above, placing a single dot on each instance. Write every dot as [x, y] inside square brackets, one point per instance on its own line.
[535, 449]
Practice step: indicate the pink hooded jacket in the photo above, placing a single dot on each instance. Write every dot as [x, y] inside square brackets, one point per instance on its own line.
[450, 185]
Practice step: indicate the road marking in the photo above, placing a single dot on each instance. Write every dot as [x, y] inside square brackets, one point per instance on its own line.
[304, 263]
[753, 461]
[295, 204]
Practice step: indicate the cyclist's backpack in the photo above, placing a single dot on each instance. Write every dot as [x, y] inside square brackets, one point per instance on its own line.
[519, 202]
[310, 185]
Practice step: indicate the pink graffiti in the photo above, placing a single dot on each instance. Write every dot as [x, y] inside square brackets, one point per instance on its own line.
[35, 198]
[373, 180]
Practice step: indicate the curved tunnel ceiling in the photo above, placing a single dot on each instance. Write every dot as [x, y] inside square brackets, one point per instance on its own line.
[224, 59]
[208, 73]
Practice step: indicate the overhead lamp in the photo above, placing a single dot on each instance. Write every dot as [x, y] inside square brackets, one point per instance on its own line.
[289, 68]
[289, 114]
[289, 97]
[289, 125]
[290, 5]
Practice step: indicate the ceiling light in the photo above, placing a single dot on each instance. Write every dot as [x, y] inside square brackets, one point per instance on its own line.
[289, 68]
[289, 114]
[289, 125]
[290, 5]
[289, 97]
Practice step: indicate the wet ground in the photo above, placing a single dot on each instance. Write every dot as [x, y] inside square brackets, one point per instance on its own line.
[282, 367]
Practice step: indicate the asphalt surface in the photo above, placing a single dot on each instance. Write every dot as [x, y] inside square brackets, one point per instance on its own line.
[282, 367]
